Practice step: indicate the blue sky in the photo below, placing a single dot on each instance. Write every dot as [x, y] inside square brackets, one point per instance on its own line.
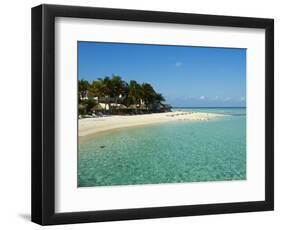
[186, 76]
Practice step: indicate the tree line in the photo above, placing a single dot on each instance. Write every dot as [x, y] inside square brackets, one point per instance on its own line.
[114, 90]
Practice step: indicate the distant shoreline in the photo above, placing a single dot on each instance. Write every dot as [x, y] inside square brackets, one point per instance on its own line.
[90, 126]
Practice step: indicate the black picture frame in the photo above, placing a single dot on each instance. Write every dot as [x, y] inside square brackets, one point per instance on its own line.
[43, 114]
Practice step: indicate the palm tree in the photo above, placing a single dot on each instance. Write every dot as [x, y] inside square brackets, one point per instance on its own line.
[83, 88]
[159, 98]
[97, 89]
[100, 88]
[118, 87]
[85, 101]
[134, 92]
[148, 94]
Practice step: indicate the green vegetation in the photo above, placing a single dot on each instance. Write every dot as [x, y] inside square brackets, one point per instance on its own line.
[112, 95]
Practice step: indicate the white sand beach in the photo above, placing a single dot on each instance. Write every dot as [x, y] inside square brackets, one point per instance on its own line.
[90, 126]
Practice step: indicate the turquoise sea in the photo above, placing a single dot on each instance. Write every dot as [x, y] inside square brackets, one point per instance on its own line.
[175, 152]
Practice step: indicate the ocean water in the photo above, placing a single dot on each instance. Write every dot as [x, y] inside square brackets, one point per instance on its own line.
[174, 152]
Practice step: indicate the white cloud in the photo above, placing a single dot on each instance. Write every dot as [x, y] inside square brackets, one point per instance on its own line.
[178, 64]
[202, 97]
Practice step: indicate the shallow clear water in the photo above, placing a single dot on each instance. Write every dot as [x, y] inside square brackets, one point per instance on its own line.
[173, 152]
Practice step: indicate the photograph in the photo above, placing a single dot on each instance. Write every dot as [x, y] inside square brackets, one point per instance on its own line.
[141, 114]
[157, 114]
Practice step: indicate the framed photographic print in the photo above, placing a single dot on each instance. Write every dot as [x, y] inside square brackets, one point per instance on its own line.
[142, 114]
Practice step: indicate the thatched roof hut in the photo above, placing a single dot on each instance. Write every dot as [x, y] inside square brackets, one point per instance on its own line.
[122, 106]
[133, 106]
[143, 107]
[97, 107]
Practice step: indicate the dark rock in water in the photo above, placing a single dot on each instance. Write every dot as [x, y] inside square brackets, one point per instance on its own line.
[102, 146]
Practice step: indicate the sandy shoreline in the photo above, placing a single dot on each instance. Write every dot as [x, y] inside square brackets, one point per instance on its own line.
[90, 126]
